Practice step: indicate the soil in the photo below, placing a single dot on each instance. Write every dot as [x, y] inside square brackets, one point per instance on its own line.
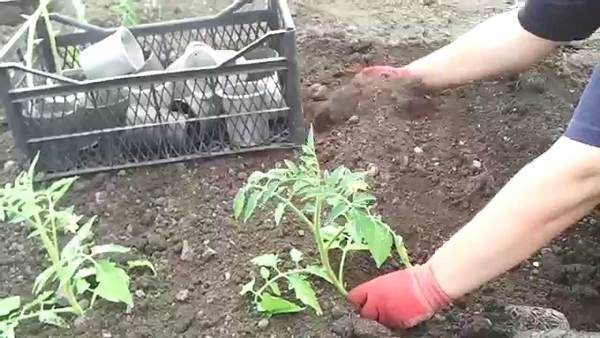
[437, 159]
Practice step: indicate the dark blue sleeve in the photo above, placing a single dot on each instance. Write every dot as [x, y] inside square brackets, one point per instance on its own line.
[585, 123]
[561, 20]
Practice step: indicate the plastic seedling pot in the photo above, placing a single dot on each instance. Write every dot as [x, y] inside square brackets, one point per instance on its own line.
[150, 136]
[117, 54]
[270, 79]
[245, 130]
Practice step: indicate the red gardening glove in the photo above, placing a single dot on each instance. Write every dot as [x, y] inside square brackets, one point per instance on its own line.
[401, 299]
[384, 71]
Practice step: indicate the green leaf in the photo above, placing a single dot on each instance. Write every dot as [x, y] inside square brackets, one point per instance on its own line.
[42, 279]
[248, 287]
[268, 260]
[256, 177]
[304, 292]
[59, 188]
[279, 213]
[339, 209]
[86, 272]
[318, 271]
[81, 285]
[7, 328]
[49, 317]
[275, 288]
[265, 273]
[141, 263]
[296, 255]
[275, 305]
[362, 199]
[113, 283]
[378, 237]
[238, 203]
[291, 165]
[401, 250]
[251, 205]
[74, 246]
[10, 304]
[108, 248]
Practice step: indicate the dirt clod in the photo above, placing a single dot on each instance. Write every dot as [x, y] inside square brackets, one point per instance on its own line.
[365, 328]
[184, 316]
[343, 327]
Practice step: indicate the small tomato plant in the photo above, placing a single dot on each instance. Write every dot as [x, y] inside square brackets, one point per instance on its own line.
[77, 269]
[335, 207]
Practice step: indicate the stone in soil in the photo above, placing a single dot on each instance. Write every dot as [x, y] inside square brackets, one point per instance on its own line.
[527, 318]
[186, 251]
[263, 323]
[182, 295]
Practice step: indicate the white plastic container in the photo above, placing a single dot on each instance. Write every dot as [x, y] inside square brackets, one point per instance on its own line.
[118, 54]
[245, 130]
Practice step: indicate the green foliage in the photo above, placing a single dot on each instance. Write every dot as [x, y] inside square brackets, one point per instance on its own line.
[127, 10]
[77, 269]
[336, 207]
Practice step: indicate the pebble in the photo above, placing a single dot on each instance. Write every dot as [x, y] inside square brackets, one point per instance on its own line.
[418, 150]
[477, 164]
[186, 251]
[101, 197]
[9, 165]
[182, 295]
[301, 233]
[242, 176]
[263, 323]
[227, 275]
[209, 253]
[121, 173]
[140, 293]
[106, 334]
[372, 170]
[353, 119]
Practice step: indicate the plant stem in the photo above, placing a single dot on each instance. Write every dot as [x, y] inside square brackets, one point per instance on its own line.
[341, 268]
[323, 252]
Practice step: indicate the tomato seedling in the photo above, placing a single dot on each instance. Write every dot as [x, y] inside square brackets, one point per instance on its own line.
[335, 207]
[77, 269]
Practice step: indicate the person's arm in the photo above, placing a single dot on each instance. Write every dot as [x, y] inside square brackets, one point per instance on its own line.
[546, 197]
[543, 199]
[496, 46]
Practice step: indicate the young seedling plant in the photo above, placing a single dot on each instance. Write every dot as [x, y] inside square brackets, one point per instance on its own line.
[335, 207]
[77, 269]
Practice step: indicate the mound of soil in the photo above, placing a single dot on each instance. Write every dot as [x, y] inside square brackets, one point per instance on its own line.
[436, 159]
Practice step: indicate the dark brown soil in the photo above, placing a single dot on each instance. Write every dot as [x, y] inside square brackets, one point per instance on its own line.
[439, 157]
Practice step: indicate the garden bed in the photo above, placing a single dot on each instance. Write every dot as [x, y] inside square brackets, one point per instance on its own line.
[435, 159]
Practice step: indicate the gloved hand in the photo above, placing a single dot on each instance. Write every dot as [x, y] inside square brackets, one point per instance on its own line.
[401, 299]
[385, 71]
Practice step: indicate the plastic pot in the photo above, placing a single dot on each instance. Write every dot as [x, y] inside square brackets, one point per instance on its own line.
[245, 130]
[117, 54]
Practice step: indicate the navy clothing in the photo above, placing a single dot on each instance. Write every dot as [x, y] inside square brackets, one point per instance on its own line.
[567, 20]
